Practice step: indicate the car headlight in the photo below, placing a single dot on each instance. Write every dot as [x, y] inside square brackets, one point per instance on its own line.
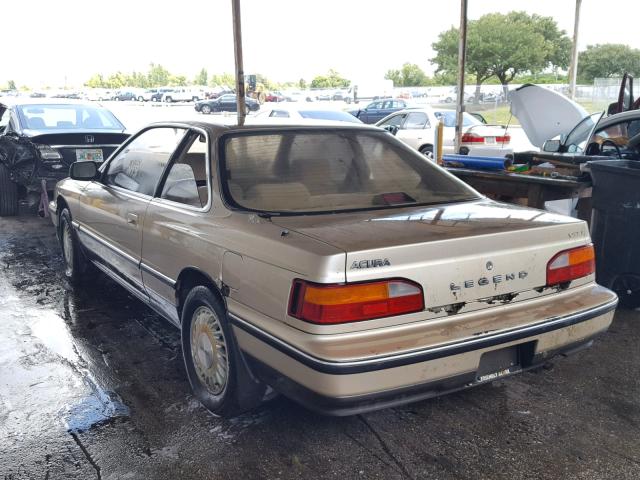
[48, 153]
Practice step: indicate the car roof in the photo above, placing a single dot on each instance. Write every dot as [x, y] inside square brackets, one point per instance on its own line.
[218, 129]
[619, 117]
[19, 101]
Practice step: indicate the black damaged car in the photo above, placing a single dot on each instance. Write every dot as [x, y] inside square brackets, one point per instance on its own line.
[40, 139]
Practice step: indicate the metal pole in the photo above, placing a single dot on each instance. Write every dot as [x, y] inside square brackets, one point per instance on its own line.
[237, 49]
[573, 69]
[462, 50]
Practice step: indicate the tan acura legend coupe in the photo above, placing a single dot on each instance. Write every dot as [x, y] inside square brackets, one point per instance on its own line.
[331, 263]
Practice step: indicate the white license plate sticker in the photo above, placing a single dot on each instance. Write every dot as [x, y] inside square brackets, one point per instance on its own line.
[490, 140]
[89, 155]
[501, 373]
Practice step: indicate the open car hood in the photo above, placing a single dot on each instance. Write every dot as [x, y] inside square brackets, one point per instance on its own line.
[544, 113]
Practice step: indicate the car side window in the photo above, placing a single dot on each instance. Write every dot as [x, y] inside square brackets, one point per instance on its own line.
[187, 181]
[279, 114]
[139, 166]
[375, 106]
[4, 119]
[416, 120]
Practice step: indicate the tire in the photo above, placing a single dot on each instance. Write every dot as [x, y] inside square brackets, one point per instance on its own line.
[168, 99]
[206, 109]
[8, 194]
[195, 99]
[117, 99]
[217, 372]
[627, 287]
[427, 151]
[75, 263]
[140, 99]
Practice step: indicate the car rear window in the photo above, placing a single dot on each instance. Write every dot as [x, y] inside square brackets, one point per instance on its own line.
[65, 117]
[296, 172]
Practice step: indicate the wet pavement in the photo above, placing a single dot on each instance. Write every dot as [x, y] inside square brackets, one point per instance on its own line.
[92, 385]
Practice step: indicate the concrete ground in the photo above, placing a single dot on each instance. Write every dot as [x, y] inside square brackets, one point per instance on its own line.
[92, 385]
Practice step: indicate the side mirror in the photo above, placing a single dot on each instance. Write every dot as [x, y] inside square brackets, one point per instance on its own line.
[551, 146]
[392, 129]
[85, 171]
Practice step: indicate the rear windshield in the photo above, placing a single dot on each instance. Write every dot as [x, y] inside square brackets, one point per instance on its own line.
[448, 117]
[297, 172]
[68, 117]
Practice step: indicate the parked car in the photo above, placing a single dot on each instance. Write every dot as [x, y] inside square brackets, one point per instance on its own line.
[182, 94]
[339, 96]
[159, 93]
[331, 263]
[560, 126]
[297, 96]
[377, 110]
[274, 97]
[416, 128]
[304, 113]
[124, 95]
[98, 94]
[225, 103]
[323, 96]
[40, 139]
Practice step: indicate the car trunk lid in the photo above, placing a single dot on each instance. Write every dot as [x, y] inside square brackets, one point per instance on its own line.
[458, 253]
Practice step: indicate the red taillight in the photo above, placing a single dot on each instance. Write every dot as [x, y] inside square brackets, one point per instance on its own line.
[571, 264]
[353, 302]
[471, 138]
[503, 139]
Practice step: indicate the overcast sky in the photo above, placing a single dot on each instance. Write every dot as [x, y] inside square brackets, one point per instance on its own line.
[46, 41]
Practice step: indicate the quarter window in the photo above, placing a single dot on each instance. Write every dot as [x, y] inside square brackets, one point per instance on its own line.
[187, 180]
[395, 120]
[139, 166]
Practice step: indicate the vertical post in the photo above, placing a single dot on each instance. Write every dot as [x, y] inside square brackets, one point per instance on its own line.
[237, 49]
[573, 68]
[462, 51]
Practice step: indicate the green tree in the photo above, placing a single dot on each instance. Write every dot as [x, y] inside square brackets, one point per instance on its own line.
[11, 85]
[223, 80]
[201, 78]
[410, 75]
[177, 80]
[331, 80]
[158, 76]
[607, 60]
[302, 84]
[504, 46]
[96, 81]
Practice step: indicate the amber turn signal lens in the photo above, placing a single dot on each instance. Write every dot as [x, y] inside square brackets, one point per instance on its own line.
[571, 264]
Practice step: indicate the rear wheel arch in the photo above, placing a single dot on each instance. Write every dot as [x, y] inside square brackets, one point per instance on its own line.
[189, 278]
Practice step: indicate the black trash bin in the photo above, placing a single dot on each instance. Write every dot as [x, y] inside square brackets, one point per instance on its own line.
[615, 227]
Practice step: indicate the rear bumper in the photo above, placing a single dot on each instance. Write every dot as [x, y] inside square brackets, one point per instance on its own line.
[348, 387]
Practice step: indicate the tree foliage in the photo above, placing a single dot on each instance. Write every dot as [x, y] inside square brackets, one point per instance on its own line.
[410, 75]
[331, 80]
[504, 46]
[201, 78]
[608, 60]
[11, 85]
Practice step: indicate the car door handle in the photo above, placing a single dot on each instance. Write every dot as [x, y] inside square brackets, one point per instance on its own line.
[132, 218]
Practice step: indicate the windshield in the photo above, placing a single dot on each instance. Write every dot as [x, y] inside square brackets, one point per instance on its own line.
[68, 117]
[302, 171]
[577, 140]
[448, 117]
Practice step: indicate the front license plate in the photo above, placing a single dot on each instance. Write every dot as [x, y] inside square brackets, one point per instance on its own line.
[490, 140]
[89, 155]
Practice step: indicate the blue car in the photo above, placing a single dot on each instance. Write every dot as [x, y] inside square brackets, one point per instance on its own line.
[379, 109]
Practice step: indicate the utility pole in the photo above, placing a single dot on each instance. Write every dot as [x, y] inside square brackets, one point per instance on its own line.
[462, 50]
[237, 49]
[573, 68]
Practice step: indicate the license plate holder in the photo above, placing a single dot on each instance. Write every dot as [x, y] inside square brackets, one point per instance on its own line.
[504, 361]
[89, 155]
[490, 140]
